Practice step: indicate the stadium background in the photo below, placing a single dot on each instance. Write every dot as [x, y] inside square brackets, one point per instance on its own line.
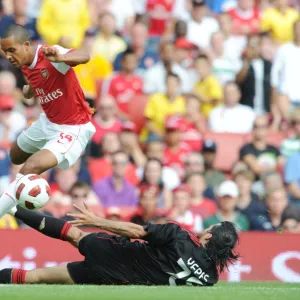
[195, 125]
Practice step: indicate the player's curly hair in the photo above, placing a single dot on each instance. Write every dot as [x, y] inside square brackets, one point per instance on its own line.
[220, 247]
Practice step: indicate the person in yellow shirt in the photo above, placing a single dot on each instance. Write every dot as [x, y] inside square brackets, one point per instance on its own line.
[208, 89]
[8, 222]
[97, 68]
[63, 22]
[160, 106]
[279, 20]
[107, 43]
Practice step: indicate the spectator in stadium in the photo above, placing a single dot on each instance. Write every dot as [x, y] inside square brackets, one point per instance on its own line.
[175, 149]
[245, 17]
[212, 176]
[254, 77]
[100, 168]
[278, 209]
[180, 29]
[107, 43]
[124, 85]
[19, 16]
[227, 199]
[96, 69]
[160, 106]
[105, 119]
[12, 122]
[113, 213]
[63, 22]
[234, 45]
[181, 211]
[291, 225]
[130, 144]
[193, 163]
[225, 118]
[208, 89]
[260, 156]
[5, 165]
[202, 195]
[81, 192]
[285, 71]
[156, 76]
[147, 212]
[153, 176]
[224, 67]
[279, 21]
[248, 202]
[169, 177]
[291, 145]
[192, 123]
[201, 27]
[115, 189]
[138, 37]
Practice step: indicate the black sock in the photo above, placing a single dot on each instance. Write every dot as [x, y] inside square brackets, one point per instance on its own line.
[49, 226]
[12, 276]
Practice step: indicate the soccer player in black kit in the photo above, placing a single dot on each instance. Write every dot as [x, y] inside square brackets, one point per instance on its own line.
[170, 255]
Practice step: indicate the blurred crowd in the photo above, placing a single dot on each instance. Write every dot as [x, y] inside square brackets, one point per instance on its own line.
[197, 109]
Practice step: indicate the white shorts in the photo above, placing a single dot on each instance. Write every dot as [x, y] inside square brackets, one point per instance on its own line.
[66, 142]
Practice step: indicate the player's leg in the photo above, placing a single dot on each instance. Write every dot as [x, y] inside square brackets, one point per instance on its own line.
[50, 226]
[28, 143]
[54, 275]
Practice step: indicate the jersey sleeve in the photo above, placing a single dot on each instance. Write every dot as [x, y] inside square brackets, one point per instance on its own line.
[161, 234]
[62, 67]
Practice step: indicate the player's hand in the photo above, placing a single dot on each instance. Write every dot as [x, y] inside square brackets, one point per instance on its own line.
[27, 91]
[85, 217]
[52, 54]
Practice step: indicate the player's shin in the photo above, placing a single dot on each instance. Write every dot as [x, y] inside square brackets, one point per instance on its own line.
[8, 198]
[49, 226]
[14, 276]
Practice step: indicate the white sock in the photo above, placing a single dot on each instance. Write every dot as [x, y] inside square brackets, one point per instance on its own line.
[8, 198]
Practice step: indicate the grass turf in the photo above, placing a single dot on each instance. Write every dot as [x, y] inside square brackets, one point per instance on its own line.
[222, 291]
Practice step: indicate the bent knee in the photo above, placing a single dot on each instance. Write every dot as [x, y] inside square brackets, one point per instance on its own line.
[17, 156]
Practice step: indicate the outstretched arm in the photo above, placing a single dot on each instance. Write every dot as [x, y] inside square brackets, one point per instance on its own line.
[86, 217]
[73, 57]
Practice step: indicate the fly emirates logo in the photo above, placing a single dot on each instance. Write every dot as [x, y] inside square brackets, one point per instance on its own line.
[45, 98]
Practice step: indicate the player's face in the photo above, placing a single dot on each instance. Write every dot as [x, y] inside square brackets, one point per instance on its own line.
[15, 52]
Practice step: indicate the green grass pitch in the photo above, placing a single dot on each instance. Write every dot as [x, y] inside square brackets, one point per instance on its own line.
[222, 291]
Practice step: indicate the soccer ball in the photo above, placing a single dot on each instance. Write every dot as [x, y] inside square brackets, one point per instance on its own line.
[32, 191]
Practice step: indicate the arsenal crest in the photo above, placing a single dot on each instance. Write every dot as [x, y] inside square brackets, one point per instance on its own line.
[44, 73]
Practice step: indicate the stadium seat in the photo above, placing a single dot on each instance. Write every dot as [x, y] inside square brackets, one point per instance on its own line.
[136, 110]
[228, 146]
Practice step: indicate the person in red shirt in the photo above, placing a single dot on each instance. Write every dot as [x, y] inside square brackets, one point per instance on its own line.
[245, 18]
[105, 119]
[125, 84]
[192, 124]
[100, 168]
[205, 207]
[62, 132]
[160, 14]
[175, 150]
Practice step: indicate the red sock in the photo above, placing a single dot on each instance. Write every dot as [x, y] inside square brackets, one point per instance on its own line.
[18, 276]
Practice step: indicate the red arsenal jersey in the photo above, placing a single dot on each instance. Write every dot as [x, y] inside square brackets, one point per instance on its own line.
[101, 130]
[190, 135]
[160, 12]
[123, 88]
[56, 87]
[248, 22]
[175, 160]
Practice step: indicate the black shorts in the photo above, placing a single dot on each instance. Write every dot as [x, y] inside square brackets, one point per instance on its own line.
[107, 261]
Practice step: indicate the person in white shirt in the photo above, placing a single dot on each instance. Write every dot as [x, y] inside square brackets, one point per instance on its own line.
[155, 77]
[201, 27]
[286, 73]
[232, 117]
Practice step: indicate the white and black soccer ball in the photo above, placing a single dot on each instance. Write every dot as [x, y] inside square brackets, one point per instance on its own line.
[32, 191]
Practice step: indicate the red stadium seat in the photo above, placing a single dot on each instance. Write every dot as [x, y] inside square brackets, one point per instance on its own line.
[228, 146]
[136, 110]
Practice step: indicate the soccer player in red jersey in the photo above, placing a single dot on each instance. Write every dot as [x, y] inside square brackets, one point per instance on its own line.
[62, 132]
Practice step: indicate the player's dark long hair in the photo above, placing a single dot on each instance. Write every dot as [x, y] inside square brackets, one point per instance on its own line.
[221, 246]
